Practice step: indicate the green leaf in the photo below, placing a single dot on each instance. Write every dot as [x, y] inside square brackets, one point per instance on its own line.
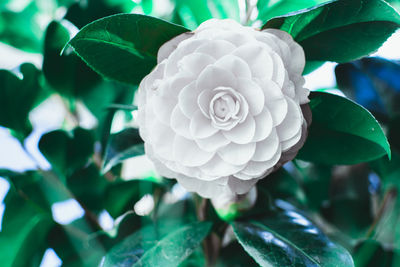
[341, 30]
[268, 9]
[67, 151]
[23, 233]
[67, 74]
[121, 196]
[287, 238]
[18, 97]
[369, 253]
[22, 29]
[283, 185]
[41, 188]
[123, 47]
[144, 248]
[121, 146]
[342, 132]
[76, 244]
[88, 186]
[192, 13]
[234, 255]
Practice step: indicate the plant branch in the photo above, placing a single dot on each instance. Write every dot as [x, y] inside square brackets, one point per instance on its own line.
[389, 197]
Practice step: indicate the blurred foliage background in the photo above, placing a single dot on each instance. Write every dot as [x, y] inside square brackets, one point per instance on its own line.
[91, 156]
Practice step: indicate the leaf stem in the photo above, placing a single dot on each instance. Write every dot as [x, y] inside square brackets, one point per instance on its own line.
[389, 197]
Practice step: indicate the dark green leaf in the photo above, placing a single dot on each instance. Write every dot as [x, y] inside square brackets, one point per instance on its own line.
[351, 194]
[145, 248]
[22, 29]
[82, 13]
[268, 9]
[23, 233]
[342, 132]
[67, 74]
[67, 151]
[370, 253]
[121, 146]
[234, 255]
[123, 47]
[121, 196]
[193, 13]
[18, 97]
[341, 30]
[281, 184]
[75, 244]
[41, 188]
[287, 238]
[88, 186]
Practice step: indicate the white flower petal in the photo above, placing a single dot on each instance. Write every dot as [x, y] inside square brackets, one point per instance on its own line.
[287, 144]
[291, 125]
[259, 59]
[212, 143]
[175, 85]
[201, 127]
[259, 168]
[274, 100]
[203, 101]
[195, 62]
[267, 148]
[162, 108]
[206, 189]
[237, 154]
[180, 123]
[216, 49]
[297, 58]
[242, 133]
[237, 66]
[239, 186]
[264, 125]
[212, 77]
[184, 48]
[188, 153]
[187, 99]
[279, 71]
[161, 138]
[253, 94]
[168, 47]
[218, 167]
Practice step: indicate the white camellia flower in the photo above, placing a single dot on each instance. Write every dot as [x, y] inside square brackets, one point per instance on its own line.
[223, 107]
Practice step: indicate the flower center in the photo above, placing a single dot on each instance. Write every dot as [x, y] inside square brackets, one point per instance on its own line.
[224, 106]
[227, 108]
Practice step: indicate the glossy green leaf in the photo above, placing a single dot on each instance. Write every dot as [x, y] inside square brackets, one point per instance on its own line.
[144, 248]
[121, 146]
[370, 253]
[342, 132]
[67, 151]
[76, 244]
[283, 185]
[268, 9]
[123, 47]
[192, 13]
[23, 231]
[233, 255]
[41, 188]
[287, 238]
[341, 30]
[67, 74]
[18, 95]
[22, 29]
[88, 186]
[121, 196]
